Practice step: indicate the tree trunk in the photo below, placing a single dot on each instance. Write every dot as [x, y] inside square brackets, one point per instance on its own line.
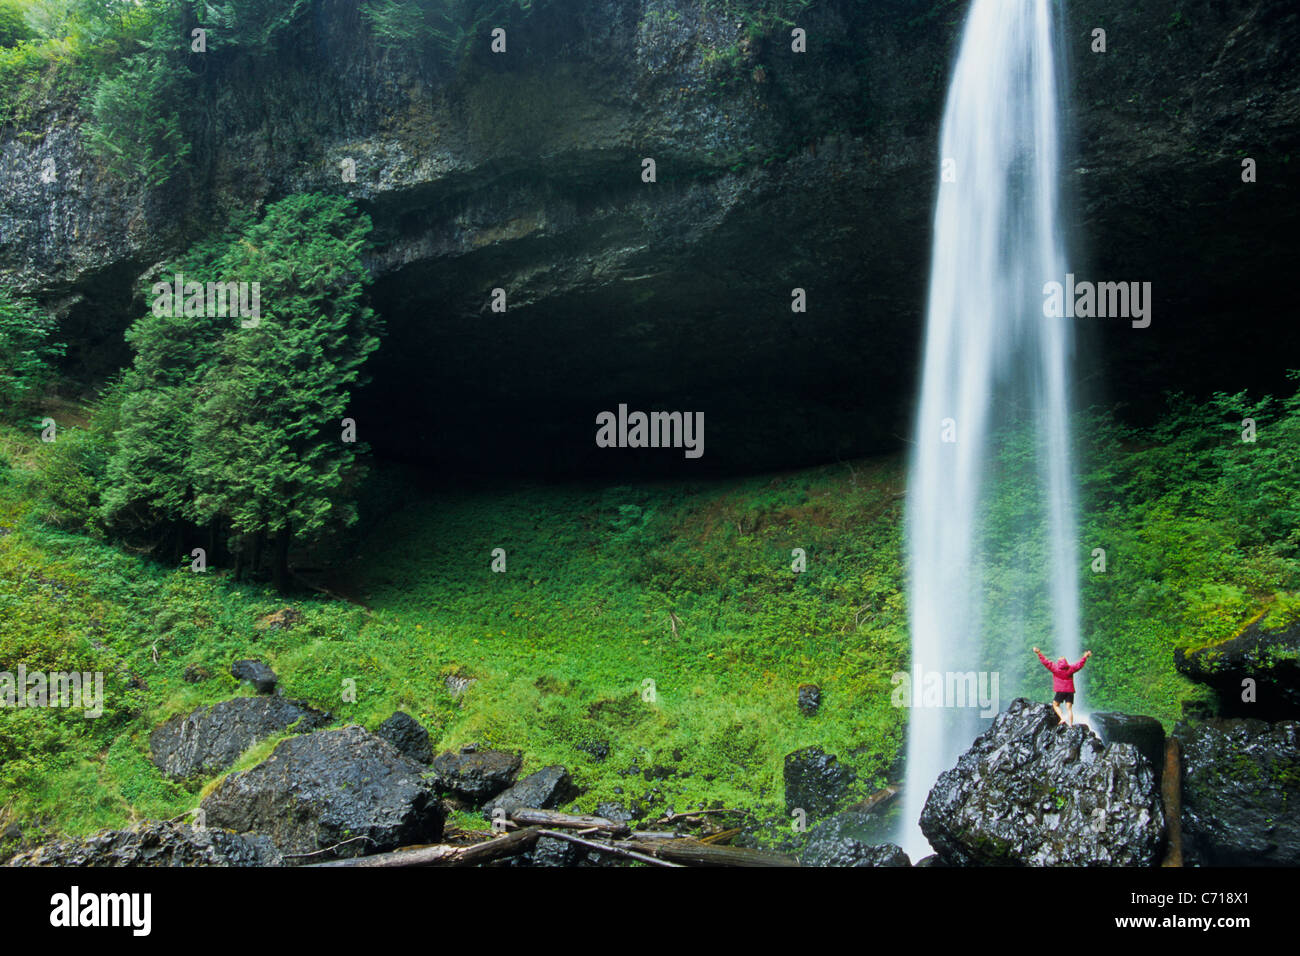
[280, 572]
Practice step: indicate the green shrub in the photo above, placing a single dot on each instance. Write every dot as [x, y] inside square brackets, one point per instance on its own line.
[26, 349]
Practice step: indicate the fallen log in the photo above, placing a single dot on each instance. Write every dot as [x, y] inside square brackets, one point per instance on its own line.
[527, 816]
[877, 800]
[610, 848]
[442, 854]
[694, 852]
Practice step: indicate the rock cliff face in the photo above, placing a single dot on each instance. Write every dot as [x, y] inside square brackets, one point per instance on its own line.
[1241, 781]
[775, 170]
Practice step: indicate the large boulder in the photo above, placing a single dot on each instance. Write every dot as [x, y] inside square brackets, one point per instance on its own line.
[815, 782]
[1241, 791]
[850, 839]
[408, 735]
[327, 789]
[1145, 733]
[156, 844]
[210, 739]
[546, 789]
[1266, 655]
[474, 775]
[1032, 791]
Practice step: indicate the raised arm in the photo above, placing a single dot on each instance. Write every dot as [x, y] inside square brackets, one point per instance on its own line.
[1045, 661]
[1082, 660]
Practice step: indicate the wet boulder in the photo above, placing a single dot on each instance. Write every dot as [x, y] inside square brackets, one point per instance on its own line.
[408, 735]
[474, 775]
[1145, 733]
[257, 673]
[1033, 792]
[156, 843]
[850, 839]
[1261, 662]
[342, 788]
[546, 789]
[815, 782]
[809, 699]
[1241, 788]
[210, 739]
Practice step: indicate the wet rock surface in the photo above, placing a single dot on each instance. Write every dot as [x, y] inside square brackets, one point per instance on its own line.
[1031, 791]
[547, 789]
[1241, 791]
[477, 775]
[815, 782]
[156, 844]
[210, 739]
[850, 839]
[257, 673]
[408, 735]
[328, 788]
[809, 699]
[1145, 733]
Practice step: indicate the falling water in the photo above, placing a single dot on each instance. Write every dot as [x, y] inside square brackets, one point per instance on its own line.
[992, 362]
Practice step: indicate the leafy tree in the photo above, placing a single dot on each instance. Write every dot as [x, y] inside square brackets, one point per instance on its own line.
[25, 347]
[13, 26]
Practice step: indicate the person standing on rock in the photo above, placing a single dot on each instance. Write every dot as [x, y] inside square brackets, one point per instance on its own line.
[1063, 683]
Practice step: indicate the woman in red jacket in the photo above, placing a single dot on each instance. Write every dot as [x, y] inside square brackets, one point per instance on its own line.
[1063, 683]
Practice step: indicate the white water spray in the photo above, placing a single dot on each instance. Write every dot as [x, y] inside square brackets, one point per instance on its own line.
[992, 360]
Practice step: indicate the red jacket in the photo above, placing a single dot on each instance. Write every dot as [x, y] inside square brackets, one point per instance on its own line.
[1062, 674]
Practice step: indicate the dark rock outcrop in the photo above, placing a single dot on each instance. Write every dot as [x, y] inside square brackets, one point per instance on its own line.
[475, 775]
[1031, 791]
[1145, 733]
[211, 738]
[849, 839]
[776, 170]
[408, 735]
[546, 789]
[1270, 659]
[1241, 791]
[257, 673]
[815, 782]
[156, 844]
[330, 788]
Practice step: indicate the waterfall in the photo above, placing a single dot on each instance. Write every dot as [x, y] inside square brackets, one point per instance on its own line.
[992, 362]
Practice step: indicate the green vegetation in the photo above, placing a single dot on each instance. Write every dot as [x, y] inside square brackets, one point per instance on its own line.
[236, 425]
[447, 29]
[26, 351]
[607, 590]
[135, 125]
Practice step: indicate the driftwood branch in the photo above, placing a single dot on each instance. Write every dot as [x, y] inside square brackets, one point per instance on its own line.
[567, 821]
[442, 854]
[654, 848]
[614, 848]
[698, 853]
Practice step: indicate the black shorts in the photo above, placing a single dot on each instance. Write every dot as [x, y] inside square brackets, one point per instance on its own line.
[1064, 696]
